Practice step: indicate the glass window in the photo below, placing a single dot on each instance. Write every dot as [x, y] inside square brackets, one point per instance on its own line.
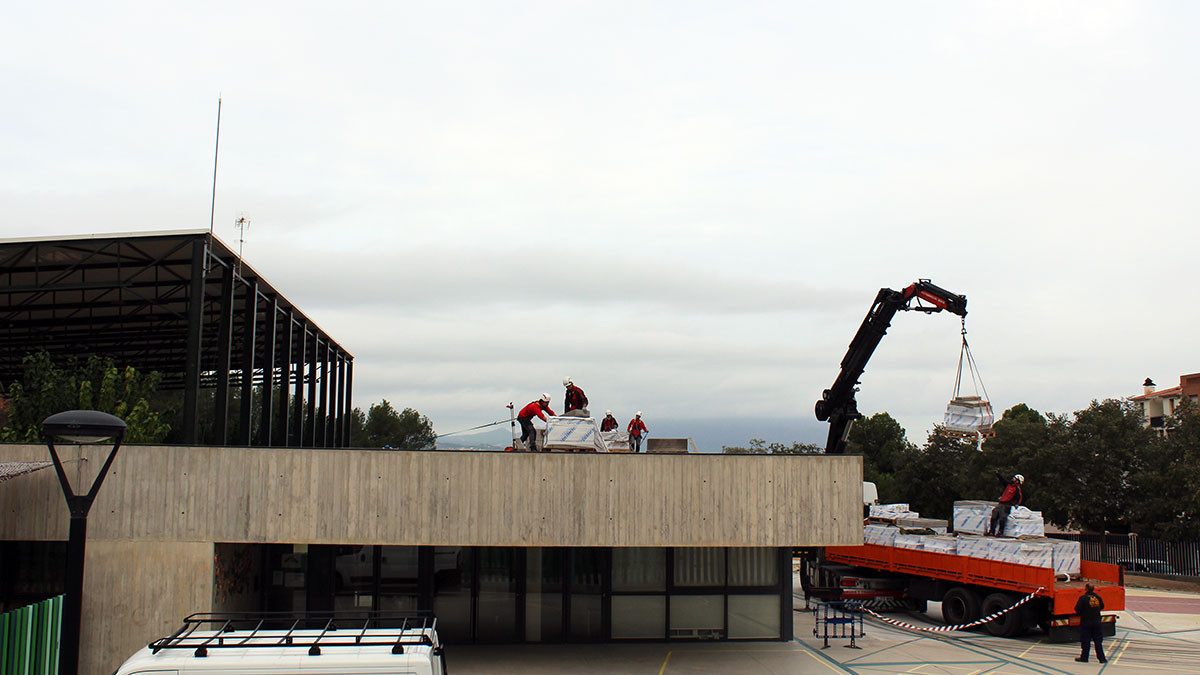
[639, 569]
[699, 567]
[452, 597]
[354, 578]
[753, 567]
[587, 587]
[754, 616]
[697, 615]
[398, 571]
[639, 616]
[543, 594]
[496, 619]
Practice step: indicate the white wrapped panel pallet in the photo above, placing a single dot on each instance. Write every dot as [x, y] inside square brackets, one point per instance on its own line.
[912, 542]
[890, 511]
[882, 535]
[938, 544]
[969, 414]
[615, 440]
[1024, 523]
[573, 433]
[1066, 556]
[937, 525]
[972, 517]
[973, 547]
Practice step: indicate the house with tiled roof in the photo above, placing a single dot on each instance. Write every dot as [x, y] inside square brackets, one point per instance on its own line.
[1159, 405]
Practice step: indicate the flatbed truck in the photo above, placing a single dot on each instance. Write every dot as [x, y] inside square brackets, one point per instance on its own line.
[969, 588]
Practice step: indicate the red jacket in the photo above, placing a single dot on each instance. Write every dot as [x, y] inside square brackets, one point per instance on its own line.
[1012, 495]
[608, 424]
[637, 427]
[576, 400]
[535, 408]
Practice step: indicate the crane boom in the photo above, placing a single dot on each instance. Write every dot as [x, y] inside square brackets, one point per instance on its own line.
[837, 403]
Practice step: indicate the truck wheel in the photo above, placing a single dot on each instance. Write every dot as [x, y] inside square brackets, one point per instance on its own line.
[1011, 624]
[960, 605]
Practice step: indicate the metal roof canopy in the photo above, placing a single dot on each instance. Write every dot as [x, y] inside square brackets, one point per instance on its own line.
[183, 304]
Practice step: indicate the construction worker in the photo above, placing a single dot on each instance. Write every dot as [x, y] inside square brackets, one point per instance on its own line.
[576, 401]
[525, 417]
[1088, 608]
[609, 422]
[1012, 496]
[636, 428]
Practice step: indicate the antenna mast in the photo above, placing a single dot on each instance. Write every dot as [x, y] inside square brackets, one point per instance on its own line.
[216, 150]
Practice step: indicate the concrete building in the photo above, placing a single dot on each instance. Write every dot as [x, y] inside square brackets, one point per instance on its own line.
[503, 547]
[1159, 405]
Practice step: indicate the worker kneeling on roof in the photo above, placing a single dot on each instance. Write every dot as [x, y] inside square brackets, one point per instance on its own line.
[1011, 497]
[576, 402]
[525, 417]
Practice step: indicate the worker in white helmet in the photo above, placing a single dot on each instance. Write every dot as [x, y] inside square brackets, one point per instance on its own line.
[1012, 496]
[537, 408]
[576, 401]
[609, 423]
[636, 429]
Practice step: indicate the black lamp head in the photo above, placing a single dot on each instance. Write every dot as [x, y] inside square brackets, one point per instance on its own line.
[84, 426]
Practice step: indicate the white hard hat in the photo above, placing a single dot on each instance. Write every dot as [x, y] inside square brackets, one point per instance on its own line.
[546, 398]
[607, 412]
[567, 382]
[1019, 478]
[638, 414]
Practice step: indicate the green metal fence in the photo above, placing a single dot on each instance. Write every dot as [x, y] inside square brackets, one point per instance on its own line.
[29, 639]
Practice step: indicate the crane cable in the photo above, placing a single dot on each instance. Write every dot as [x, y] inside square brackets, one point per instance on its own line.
[972, 369]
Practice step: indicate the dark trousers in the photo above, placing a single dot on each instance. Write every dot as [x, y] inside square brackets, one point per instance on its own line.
[999, 519]
[635, 443]
[528, 433]
[1090, 633]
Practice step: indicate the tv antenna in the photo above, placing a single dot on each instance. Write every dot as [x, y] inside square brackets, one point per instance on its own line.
[242, 224]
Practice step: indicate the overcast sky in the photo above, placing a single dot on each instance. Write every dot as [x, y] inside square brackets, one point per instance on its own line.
[687, 207]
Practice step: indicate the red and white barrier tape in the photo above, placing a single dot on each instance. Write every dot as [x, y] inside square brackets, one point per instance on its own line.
[946, 629]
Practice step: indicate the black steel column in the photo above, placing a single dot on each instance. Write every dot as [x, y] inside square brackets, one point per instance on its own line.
[249, 340]
[311, 432]
[72, 617]
[349, 409]
[339, 429]
[285, 382]
[268, 381]
[322, 437]
[191, 366]
[224, 346]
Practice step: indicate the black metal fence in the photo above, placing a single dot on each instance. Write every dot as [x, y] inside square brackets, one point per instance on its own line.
[1139, 554]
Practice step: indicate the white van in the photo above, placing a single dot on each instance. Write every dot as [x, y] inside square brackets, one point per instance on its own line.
[244, 645]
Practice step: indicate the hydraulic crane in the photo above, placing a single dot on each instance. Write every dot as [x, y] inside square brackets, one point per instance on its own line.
[837, 403]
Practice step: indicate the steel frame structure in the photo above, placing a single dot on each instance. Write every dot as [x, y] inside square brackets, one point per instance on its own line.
[179, 303]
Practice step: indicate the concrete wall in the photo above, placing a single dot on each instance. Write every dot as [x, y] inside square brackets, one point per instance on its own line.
[446, 498]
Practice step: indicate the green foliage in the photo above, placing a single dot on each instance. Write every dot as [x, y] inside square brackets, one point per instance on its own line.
[884, 446]
[97, 384]
[759, 446]
[931, 476]
[382, 426]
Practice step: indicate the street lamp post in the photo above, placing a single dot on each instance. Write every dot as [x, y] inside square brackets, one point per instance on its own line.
[78, 426]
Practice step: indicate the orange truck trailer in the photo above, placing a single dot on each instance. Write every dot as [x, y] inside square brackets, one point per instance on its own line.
[972, 588]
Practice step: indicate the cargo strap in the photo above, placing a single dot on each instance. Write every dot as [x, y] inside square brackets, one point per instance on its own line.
[961, 626]
[966, 358]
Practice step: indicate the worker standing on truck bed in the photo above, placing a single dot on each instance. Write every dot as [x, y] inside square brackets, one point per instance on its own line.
[1011, 497]
[609, 422]
[525, 417]
[636, 428]
[576, 401]
[1088, 608]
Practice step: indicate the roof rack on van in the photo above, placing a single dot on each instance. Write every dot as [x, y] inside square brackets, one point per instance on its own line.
[204, 631]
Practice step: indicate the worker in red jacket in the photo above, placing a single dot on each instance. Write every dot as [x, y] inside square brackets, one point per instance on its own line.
[525, 417]
[609, 422]
[576, 401]
[1012, 496]
[636, 428]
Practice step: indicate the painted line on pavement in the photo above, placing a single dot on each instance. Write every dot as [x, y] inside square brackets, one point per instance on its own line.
[1030, 648]
[664, 665]
[821, 658]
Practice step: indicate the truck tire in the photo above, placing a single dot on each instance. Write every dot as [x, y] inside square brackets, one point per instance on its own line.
[960, 605]
[1010, 624]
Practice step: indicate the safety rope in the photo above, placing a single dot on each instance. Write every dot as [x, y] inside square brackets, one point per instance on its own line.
[481, 426]
[946, 629]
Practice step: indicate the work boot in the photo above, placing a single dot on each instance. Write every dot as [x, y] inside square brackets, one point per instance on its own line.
[1080, 659]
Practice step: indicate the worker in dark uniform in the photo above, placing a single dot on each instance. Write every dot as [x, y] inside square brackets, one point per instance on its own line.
[1011, 497]
[609, 422]
[576, 402]
[1088, 608]
[525, 417]
[636, 428]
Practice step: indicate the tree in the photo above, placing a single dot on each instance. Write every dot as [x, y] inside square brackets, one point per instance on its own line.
[1166, 491]
[885, 447]
[97, 384]
[382, 427]
[930, 478]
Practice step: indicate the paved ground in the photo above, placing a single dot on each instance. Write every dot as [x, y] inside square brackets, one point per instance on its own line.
[1160, 633]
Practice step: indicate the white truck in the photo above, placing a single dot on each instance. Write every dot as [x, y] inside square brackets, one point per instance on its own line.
[277, 644]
